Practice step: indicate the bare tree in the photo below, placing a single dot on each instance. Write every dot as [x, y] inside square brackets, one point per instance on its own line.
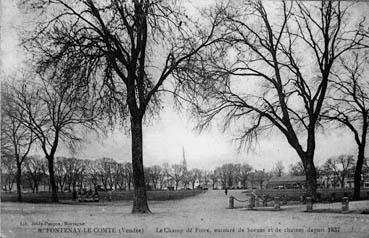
[214, 178]
[156, 175]
[92, 174]
[205, 175]
[258, 178]
[194, 175]
[16, 139]
[245, 170]
[278, 169]
[68, 171]
[326, 176]
[349, 105]
[8, 172]
[118, 176]
[221, 175]
[129, 174]
[35, 171]
[273, 70]
[105, 172]
[228, 174]
[147, 178]
[115, 45]
[340, 167]
[186, 179]
[75, 169]
[162, 178]
[52, 110]
[366, 169]
[176, 173]
[297, 169]
[60, 170]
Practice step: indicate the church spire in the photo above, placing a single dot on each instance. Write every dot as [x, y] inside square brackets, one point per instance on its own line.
[184, 163]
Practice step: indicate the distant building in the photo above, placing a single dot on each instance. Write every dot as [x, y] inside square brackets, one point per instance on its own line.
[334, 182]
[349, 183]
[296, 182]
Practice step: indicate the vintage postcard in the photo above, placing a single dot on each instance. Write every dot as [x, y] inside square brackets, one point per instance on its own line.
[166, 118]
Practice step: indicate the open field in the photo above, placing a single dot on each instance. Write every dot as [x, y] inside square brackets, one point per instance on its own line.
[44, 197]
[205, 215]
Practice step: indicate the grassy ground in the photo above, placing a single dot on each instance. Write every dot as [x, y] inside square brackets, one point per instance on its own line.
[44, 197]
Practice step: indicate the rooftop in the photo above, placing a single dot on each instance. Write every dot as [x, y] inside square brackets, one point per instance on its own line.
[288, 179]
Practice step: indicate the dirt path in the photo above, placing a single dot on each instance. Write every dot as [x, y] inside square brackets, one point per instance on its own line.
[205, 215]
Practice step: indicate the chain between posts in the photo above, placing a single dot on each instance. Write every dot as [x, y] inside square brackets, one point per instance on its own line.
[240, 200]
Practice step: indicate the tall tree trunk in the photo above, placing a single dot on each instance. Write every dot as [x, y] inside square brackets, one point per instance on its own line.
[358, 170]
[155, 184]
[18, 181]
[54, 189]
[307, 158]
[311, 177]
[140, 197]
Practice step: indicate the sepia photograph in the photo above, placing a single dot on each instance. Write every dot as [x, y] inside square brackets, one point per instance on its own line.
[184, 118]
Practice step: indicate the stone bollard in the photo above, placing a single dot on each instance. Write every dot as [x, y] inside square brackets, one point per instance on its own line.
[265, 202]
[284, 200]
[309, 204]
[318, 197]
[277, 204]
[74, 195]
[252, 202]
[231, 202]
[257, 204]
[109, 196]
[345, 204]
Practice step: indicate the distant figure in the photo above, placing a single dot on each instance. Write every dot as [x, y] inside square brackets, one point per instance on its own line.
[226, 191]
[96, 196]
[109, 193]
[74, 195]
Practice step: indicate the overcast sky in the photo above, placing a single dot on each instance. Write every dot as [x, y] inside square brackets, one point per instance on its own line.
[165, 137]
